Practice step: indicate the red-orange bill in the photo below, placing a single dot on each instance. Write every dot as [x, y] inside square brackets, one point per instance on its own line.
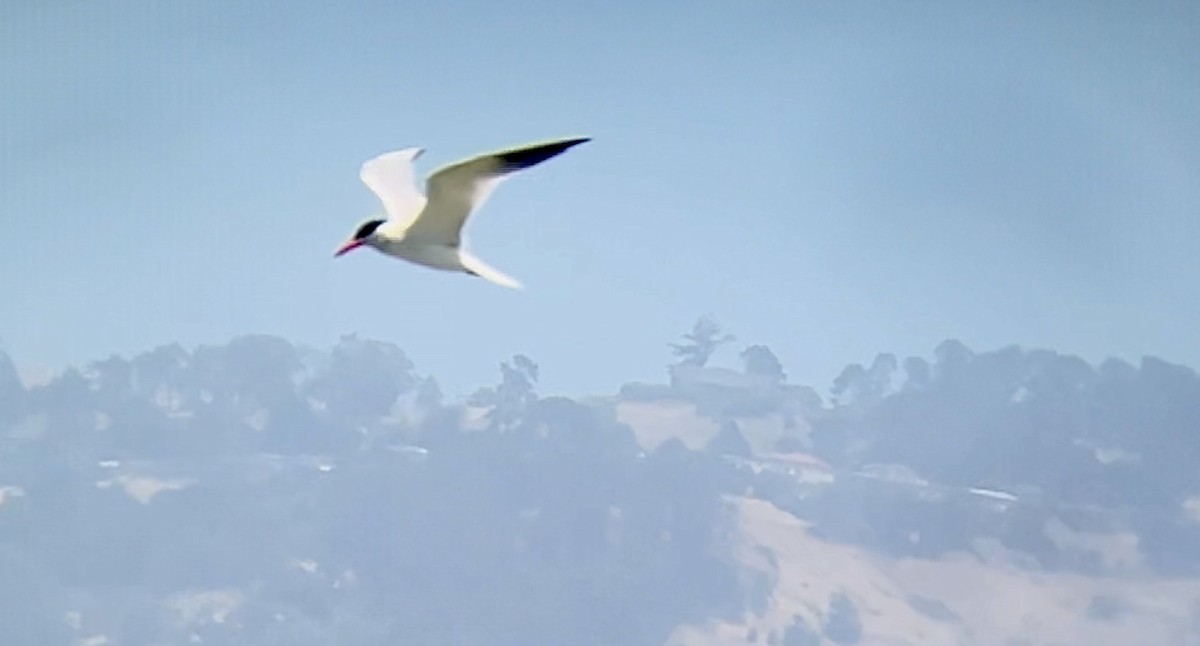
[350, 245]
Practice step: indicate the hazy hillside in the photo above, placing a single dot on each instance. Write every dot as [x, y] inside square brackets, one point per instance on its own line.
[259, 492]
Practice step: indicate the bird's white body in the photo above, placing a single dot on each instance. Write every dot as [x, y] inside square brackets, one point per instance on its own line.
[426, 229]
[430, 255]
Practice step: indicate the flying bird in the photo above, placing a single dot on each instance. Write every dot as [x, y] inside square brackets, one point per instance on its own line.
[428, 229]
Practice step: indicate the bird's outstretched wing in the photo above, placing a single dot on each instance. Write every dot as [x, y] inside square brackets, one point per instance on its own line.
[392, 178]
[456, 190]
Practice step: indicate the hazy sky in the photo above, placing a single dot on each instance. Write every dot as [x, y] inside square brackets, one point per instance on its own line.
[832, 179]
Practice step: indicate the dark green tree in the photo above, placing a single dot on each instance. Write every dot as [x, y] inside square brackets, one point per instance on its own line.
[510, 398]
[760, 361]
[12, 392]
[362, 379]
[799, 634]
[729, 441]
[842, 623]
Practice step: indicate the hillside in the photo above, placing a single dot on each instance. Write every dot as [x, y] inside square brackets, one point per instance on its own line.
[260, 492]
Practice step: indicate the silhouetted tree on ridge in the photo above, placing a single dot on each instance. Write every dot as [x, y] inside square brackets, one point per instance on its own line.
[704, 339]
[759, 360]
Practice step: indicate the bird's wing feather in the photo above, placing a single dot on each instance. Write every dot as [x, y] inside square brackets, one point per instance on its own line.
[455, 191]
[392, 177]
[487, 272]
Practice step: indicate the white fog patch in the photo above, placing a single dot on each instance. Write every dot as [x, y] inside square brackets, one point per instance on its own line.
[73, 619]
[1107, 455]
[144, 488]
[259, 419]
[993, 494]
[308, 565]
[1191, 508]
[9, 492]
[205, 606]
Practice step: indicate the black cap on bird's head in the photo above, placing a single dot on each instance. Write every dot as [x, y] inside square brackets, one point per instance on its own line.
[367, 229]
[364, 231]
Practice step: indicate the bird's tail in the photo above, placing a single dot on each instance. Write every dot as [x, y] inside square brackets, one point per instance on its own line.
[486, 272]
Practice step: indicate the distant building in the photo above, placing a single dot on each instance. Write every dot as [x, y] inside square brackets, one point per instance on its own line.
[891, 472]
[804, 467]
[687, 377]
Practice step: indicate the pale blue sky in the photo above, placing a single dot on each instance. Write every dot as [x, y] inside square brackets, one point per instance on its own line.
[832, 179]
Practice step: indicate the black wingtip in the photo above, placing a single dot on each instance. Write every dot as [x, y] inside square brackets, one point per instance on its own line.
[513, 160]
